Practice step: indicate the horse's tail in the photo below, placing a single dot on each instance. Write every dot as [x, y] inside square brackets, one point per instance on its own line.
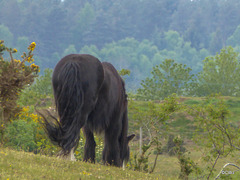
[68, 94]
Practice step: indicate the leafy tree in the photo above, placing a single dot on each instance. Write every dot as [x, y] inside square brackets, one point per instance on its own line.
[93, 50]
[22, 42]
[173, 46]
[39, 91]
[43, 84]
[55, 57]
[214, 131]
[83, 20]
[124, 72]
[11, 16]
[167, 78]
[173, 40]
[220, 74]
[234, 39]
[187, 166]
[6, 34]
[216, 42]
[128, 54]
[170, 148]
[70, 50]
[227, 10]
[154, 119]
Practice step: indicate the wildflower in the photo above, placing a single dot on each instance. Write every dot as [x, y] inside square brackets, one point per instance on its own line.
[86, 173]
[25, 109]
[17, 61]
[32, 46]
[14, 50]
[34, 67]
[34, 117]
[29, 59]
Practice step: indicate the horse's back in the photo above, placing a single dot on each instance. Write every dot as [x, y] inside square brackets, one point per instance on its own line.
[86, 64]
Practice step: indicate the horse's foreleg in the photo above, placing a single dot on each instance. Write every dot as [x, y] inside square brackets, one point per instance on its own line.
[111, 152]
[90, 144]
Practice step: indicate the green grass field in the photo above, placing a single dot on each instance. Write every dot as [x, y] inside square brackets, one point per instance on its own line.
[22, 165]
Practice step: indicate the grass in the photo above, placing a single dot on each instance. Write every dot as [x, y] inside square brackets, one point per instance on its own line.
[22, 165]
[169, 165]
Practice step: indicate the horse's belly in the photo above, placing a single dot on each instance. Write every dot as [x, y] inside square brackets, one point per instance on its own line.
[97, 122]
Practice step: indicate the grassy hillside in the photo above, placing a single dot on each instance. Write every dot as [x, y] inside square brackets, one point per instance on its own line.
[22, 165]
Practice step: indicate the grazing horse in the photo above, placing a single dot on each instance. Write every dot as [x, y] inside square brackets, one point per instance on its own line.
[90, 95]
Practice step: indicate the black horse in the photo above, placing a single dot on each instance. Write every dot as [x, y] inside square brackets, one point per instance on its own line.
[89, 94]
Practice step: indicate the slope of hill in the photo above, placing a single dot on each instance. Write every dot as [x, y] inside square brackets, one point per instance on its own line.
[22, 165]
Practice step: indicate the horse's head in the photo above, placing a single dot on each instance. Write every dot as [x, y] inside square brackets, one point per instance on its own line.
[126, 153]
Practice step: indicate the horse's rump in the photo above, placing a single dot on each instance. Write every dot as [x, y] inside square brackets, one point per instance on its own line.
[76, 81]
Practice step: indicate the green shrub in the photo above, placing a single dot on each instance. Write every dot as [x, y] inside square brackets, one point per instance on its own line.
[21, 135]
[170, 146]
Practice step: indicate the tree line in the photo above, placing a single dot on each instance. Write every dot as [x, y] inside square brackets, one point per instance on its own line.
[134, 35]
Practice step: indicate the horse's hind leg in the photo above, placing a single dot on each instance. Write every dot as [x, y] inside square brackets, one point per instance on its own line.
[69, 156]
[72, 157]
[90, 144]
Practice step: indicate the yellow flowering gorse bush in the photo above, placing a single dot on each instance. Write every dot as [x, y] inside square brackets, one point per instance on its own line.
[15, 74]
[25, 114]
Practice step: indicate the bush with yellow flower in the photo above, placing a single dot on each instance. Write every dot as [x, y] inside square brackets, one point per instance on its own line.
[26, 133]
[14, 76]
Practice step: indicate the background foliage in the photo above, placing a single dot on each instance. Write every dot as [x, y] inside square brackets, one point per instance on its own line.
[134, 35]
[160, 43]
